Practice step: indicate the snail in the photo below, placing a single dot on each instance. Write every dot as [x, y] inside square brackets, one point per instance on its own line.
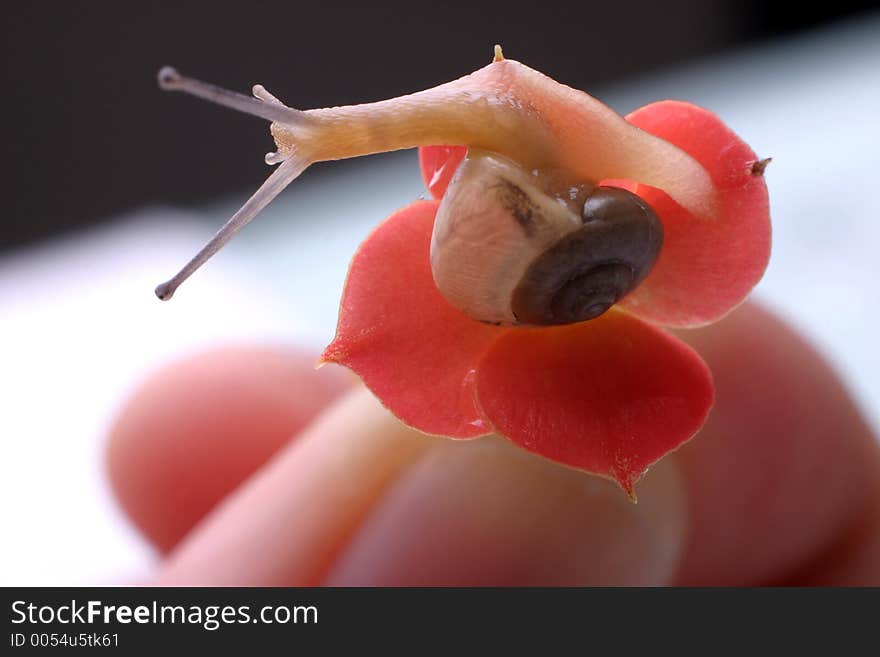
[524, 235]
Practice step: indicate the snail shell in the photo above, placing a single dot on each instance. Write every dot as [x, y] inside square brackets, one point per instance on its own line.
[514, 247]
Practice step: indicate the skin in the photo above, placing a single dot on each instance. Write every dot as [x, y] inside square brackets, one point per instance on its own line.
[782, 485]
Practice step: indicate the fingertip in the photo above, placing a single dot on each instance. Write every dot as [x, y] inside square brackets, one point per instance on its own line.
[198, 427]
[785, 463]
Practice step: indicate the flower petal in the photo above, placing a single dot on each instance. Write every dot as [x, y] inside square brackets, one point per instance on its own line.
[438, 165]
[706, 267]
[610, 396]
[411, 348]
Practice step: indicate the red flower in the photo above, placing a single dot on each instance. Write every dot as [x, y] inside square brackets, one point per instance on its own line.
[610, 396]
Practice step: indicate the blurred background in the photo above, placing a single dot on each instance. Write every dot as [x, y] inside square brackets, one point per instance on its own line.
[110, 185]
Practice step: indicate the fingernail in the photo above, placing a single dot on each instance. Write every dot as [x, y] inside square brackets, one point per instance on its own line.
[484, 512]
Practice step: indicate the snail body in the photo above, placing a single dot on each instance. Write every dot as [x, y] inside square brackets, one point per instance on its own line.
[524, 235]
[516, 247]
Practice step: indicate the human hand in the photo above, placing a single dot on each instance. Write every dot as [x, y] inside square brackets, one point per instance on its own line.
[246, 467]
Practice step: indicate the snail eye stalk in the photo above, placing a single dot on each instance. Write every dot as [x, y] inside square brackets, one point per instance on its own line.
[264, 105]
[285, 174]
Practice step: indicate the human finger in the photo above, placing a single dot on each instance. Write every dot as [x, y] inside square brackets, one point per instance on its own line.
[198, 427]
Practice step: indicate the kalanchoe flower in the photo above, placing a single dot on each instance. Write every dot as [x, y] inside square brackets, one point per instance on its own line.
[528, 298]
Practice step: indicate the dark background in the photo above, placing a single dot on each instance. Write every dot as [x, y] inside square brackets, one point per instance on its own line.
[88, 134]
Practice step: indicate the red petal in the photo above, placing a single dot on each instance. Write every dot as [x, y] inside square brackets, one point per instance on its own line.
[610, 396]
[438, 164]
[411, 348]
[706, 267]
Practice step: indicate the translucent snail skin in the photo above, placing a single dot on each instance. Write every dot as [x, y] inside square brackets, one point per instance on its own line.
[525, 234]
